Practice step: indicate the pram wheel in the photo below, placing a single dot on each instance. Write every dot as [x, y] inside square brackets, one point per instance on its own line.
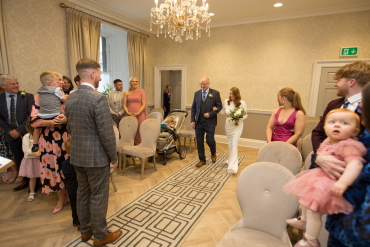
[182, 153]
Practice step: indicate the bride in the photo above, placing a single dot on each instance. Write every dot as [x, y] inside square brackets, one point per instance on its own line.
[233, 132]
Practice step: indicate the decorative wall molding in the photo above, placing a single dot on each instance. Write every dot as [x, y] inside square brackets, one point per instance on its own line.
[113, 16]
[301, 14]
[262, 112]
[242, 141]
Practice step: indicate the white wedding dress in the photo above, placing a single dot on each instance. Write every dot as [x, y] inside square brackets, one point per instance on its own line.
[233, 134]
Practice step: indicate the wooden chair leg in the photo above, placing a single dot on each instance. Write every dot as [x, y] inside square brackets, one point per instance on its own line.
[195, 141]
[119, 161]
[142, 167]
[155, 164]
[114, 185]
[190, 146]
[124, 163]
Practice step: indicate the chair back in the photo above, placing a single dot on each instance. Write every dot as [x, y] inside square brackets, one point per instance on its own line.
[150, 128]
[307, 162]
[128, 128]
[281, 153]
[310, 125]
[156, 115]
[264, 204]
[158, 109]
[116, 134]
[187, 124]
[306, 146]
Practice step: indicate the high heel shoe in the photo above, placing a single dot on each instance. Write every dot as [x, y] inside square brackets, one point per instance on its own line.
[56, 210]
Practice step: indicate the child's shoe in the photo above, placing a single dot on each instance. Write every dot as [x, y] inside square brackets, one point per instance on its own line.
[31, 197]
[297, 222]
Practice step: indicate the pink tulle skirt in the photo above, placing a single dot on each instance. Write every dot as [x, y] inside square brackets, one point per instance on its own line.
[313, 187]
[30, 168]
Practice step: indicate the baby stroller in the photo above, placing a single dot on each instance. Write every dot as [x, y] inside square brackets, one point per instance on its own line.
[167, 142]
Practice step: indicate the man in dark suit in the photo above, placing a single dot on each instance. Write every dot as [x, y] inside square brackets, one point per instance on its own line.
[204, 118]
[351, 78]
[93, 149]
[15, 109]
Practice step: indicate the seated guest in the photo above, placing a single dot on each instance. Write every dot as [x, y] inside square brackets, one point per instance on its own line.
[13, 118]
[287, 122]
[67, 85]
[115, 100]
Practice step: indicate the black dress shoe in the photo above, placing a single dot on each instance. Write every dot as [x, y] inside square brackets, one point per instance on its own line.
[23, 185]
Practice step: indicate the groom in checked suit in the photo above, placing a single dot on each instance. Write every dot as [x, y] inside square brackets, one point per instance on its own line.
[204, 118]
[93, 149]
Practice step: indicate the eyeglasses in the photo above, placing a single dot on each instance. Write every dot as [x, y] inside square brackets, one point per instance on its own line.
[200, 84]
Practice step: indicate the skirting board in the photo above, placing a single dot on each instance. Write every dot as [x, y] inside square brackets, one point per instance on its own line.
[242, 141]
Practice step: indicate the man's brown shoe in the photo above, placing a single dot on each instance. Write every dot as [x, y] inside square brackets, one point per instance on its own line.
[86, 237]
[110, 237]
[200, 164]
[214, 158]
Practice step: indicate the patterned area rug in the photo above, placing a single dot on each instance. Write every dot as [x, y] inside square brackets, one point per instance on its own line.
[166, 214]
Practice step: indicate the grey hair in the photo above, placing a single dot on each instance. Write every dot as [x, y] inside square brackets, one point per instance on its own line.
[5, 77]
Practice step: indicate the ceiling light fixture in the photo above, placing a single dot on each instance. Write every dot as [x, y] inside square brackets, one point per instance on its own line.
[179, 18]
[278, 5]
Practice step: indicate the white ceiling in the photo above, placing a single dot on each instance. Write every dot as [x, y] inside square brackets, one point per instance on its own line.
[136, 13]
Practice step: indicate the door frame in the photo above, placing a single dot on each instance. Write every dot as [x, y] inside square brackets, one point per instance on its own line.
[157, 83]
[315, 85]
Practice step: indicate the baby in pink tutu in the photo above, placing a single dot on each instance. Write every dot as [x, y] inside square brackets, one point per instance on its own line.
[319, 194]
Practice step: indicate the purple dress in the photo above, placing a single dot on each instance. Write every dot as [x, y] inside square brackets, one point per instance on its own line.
[282, 132]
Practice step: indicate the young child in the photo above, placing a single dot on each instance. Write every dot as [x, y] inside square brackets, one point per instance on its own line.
[51, 96]
[30, 165]
[319, 194]
[170, 121]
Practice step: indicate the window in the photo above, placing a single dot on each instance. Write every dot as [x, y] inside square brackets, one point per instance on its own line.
[113, 57]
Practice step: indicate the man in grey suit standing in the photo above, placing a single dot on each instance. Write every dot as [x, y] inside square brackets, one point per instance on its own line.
[115, 101]
[93, 149]
[204, 118]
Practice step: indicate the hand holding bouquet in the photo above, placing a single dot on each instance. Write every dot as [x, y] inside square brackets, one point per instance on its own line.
[236, 114]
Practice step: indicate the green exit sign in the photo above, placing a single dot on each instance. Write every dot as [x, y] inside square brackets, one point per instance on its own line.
[349, 51]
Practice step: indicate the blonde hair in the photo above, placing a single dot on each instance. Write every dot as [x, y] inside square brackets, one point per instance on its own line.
[47, 76]
[293, 97]
[138, 85]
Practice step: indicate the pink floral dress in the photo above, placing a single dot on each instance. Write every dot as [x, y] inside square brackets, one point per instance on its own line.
[53, 153]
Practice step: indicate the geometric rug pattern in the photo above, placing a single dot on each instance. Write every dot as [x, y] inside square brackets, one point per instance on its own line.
[166, 214]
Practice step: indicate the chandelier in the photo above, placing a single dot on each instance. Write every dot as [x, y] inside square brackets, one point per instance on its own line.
[178, 18]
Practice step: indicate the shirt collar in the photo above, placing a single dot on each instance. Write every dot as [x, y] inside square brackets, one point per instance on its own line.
[87, 84]
[7, 94]
[355, 98]
[206, 91]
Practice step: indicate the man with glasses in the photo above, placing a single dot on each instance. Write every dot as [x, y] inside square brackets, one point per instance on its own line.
[204, 118]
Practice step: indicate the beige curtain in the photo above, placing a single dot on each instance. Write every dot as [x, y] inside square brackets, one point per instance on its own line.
[83, 37]
[5, 58]
[137, 56]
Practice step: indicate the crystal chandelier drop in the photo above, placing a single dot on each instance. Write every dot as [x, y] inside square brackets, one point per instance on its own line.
[177, 18]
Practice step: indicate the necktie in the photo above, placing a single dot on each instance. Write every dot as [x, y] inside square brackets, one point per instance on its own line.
[204, 95]
[13, 121]
[345, 103]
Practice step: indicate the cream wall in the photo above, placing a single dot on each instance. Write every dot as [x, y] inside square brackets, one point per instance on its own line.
[261, 58]
[38, 39]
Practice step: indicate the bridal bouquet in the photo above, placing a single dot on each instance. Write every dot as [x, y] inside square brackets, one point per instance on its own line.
[236, 114]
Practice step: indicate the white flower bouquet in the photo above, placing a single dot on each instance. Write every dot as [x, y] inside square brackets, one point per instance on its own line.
[236, 114]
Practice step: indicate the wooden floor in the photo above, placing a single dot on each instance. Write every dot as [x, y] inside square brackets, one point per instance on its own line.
[25, 223]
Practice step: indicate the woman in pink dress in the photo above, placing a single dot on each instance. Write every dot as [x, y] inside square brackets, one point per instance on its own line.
[134, 103]
[287, 122]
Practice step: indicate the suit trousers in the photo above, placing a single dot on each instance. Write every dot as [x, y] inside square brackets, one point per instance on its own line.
[202, 128]
[92, 199]
[16, 147]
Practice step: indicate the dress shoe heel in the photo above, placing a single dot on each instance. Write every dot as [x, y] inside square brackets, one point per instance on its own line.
[110, 237]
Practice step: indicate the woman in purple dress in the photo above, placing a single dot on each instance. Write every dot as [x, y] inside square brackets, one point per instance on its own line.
[287, 122]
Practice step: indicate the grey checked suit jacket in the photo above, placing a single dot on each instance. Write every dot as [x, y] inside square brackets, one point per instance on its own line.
[23, 111]
[89, 122]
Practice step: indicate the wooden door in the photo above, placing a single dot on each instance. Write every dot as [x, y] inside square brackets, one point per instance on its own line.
[327, 91]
